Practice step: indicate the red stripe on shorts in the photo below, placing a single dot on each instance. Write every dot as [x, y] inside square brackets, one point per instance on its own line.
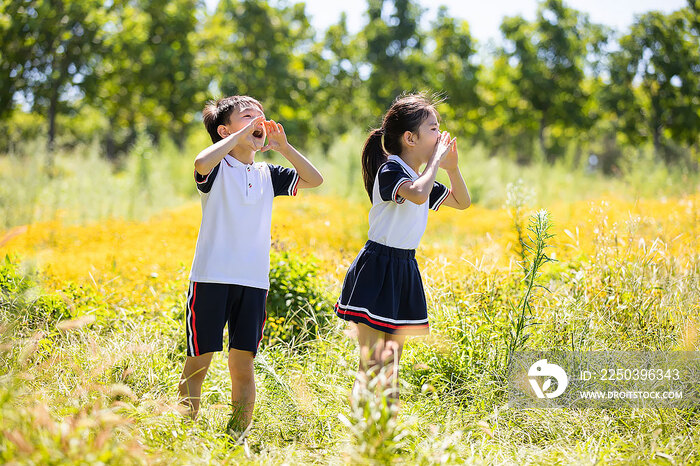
[194, 329]
[264, 320]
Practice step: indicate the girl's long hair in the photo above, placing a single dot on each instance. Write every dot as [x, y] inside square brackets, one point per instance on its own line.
[407, 113]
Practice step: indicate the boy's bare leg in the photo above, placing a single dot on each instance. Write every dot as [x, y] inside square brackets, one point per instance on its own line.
[380, 352]
[190, 386]
[240, 366]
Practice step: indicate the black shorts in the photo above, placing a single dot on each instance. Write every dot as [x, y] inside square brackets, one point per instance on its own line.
[211, 305]
[383, 289]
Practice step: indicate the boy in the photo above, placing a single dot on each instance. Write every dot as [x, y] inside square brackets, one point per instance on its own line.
[229, 278]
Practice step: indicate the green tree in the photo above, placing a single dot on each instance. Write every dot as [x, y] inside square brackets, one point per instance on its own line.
[252, 47]
[549, 56]
[148, 77]
[50, 49]
[654, 86]
[508, 123]
[340, 99]
[394, 57]
[453, 72]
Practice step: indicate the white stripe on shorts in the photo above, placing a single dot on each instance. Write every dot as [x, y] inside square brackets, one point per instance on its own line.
[190, 338]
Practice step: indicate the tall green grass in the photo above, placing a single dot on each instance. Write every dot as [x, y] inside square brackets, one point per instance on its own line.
[78, 184]
[75, 389]
[488, 175]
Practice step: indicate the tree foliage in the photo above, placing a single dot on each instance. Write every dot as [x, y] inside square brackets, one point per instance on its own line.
[549, 57]
[662, 53]
[50, 50]
[137, 66]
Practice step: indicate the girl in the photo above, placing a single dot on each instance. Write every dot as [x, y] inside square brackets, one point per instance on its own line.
[383, 291]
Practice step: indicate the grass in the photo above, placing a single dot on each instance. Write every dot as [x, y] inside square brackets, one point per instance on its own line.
[77, 185]
[103, 388]
[92, 309]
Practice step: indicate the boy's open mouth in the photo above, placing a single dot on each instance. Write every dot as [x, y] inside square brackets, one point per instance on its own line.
[258, 133]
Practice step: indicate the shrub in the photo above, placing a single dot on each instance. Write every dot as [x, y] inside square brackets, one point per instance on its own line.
[12, 281]
[21, 305]
[297, 303]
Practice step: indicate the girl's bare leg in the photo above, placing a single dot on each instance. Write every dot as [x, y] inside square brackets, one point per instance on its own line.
[380, 353]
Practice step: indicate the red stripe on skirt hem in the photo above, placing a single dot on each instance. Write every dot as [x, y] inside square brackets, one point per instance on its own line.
[377, 322]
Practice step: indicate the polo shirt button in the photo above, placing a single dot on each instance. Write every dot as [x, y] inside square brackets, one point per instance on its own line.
[250, 185]
[248, 168]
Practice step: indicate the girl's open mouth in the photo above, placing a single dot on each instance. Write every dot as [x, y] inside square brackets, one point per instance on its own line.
[258, 133]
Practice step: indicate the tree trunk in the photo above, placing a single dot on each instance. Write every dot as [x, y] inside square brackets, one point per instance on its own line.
[110, 146]
[178, 138]
[657, 127]
[658, 145]
[541, 139]
[53, 105]
[578, 155]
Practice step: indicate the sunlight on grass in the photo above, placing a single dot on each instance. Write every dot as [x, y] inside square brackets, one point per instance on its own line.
[92, 338]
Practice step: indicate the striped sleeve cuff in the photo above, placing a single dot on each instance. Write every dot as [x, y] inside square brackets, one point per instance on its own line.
[198, 177]
[395, 194]
[293, 185]
[436, 205]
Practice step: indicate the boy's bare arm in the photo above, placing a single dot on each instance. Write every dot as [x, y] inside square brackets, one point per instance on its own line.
[309, 176]
[212, 155]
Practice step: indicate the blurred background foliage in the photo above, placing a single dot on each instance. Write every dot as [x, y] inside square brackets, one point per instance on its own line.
[559, 87]
[100, 120]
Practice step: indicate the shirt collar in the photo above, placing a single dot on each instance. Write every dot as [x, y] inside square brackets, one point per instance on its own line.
[406, 166]
[234, 162]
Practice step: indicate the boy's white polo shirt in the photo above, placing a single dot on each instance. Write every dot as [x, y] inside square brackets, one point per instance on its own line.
[233, 245]
[393, 220]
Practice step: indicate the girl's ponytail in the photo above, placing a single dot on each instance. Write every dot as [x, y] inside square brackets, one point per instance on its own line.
[373, 156]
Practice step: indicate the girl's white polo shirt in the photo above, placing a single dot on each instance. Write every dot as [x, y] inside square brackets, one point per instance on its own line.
[233, 245]
[394, 221]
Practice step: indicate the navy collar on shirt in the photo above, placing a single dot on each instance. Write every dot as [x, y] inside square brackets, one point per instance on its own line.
[404, 165]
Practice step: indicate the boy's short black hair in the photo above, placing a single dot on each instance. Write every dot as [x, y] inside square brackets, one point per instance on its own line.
[218, 112]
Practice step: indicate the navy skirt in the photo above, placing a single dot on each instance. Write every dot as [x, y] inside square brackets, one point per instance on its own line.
[383, 290]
